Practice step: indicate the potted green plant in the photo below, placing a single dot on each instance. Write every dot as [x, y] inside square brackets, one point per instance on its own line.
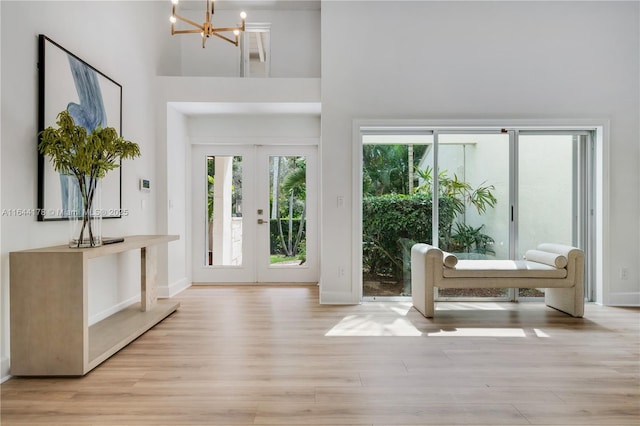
[86, 158]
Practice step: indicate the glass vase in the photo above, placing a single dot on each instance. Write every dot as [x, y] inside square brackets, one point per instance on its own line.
[85, 212]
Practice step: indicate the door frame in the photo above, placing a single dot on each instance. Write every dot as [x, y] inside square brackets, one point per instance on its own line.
[254, 236]
[598, 216]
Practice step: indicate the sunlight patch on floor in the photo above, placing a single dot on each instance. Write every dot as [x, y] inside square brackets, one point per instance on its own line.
[478, 332]
[374, 325]
[378, 319]
[540, 333]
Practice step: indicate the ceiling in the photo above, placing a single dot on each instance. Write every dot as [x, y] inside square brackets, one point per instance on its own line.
[250, 108]
[255, 4]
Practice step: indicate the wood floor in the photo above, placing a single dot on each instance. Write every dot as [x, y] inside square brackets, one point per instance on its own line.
[274, 356]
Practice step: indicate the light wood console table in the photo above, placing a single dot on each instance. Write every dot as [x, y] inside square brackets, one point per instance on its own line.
[50, 335]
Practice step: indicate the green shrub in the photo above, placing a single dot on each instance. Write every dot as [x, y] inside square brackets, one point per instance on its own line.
[388, 219]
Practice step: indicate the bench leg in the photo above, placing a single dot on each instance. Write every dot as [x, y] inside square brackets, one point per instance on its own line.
[422, 284]
[418, 292]
[424, 301]
[569, 300]
[430, 303]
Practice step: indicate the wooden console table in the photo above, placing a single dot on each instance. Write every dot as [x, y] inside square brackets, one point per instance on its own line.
[50, 335]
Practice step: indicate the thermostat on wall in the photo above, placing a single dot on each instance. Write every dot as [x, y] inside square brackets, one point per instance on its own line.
[145, 185]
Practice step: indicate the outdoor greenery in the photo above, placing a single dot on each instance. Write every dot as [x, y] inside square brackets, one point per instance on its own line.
[87, 157]
[288, 206]
[397, 214]
[454, 234]
[386, 219]
[278, 229]
[386, 168]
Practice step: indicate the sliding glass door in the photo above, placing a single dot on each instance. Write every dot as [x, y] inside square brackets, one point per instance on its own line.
[553, 192]
[500, 193]
[396, 207]
[474, 201]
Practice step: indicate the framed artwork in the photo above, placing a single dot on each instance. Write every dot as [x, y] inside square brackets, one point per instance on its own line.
[66, 82]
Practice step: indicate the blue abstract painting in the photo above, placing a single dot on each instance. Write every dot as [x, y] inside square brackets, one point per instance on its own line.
[92, 99]
[88, 112]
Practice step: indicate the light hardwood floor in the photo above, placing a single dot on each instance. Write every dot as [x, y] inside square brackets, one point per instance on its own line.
[272, 355]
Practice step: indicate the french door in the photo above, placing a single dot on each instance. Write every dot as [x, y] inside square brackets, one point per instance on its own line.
[254, 215]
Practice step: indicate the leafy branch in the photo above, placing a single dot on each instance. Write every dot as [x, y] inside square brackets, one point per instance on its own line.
[87, 157]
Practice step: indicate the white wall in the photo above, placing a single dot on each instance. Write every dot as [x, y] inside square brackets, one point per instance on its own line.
[176, 165]
[175, 133]
[481, 60]
[247, 128]
[112, 37]
[4, 290]
[295, 43]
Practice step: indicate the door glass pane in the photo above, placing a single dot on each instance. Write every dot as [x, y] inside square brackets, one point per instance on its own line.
[545, 194]
[287, 212]
[396, 210]
[473, 187]
[224, 211]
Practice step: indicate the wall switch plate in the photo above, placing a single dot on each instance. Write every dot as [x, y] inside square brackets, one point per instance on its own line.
[624, 273]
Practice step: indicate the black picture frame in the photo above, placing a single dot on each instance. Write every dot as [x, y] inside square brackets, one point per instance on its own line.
[67, 82]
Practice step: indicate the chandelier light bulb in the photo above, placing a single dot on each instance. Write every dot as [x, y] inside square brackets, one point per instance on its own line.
[236, 32]
[243, 15]
[175, 1]
[172, 19]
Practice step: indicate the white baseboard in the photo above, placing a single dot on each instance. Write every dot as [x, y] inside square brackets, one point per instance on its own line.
[4, 369]
[173, 289]
[117, 308]
[337, 298]
[624, 299]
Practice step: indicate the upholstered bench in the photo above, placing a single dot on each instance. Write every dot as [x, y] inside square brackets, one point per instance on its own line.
[559, 269]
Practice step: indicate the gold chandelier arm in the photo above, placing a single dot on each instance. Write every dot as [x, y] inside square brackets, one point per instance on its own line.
[187, 32]
[227, 29]
[188, 21]
[225, 38]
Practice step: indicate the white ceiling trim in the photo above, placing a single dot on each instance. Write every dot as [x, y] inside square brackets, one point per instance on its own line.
[246, 108]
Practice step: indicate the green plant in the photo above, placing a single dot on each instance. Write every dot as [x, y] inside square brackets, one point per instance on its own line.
[87, 157]
[210, 184]
[461, 194]
[467, 239]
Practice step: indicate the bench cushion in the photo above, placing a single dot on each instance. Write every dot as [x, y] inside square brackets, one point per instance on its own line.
[552, 259]
[503, 269]
[449, 260]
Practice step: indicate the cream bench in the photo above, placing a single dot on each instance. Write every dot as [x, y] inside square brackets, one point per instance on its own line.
[557, 268]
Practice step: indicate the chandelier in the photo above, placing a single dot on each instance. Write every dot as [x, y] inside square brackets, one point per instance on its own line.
[206, 29]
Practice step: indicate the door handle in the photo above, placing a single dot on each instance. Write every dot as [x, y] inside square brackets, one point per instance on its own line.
[262, 222]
